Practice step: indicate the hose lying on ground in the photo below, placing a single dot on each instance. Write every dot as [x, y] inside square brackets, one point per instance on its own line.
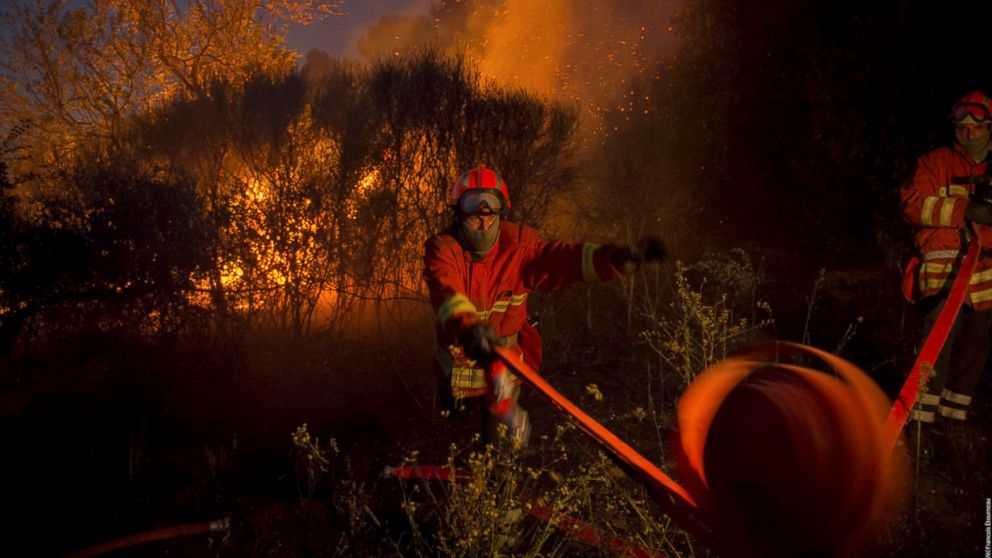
[160, 534]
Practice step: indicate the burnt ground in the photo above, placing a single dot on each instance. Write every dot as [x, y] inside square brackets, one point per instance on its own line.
[103, 438]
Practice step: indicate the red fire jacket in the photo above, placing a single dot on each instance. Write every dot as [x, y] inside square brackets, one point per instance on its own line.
[465, 290]
[936, 205]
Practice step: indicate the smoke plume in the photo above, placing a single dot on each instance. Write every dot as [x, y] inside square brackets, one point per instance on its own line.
[589, 52]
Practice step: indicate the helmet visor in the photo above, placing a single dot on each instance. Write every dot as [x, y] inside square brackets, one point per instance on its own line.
[479, 202]
[978, 112]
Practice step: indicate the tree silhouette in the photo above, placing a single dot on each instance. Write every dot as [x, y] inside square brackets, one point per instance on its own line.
[79, 71]
[116, 255]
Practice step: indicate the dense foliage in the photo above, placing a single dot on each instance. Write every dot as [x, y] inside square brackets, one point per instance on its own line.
[257, 201]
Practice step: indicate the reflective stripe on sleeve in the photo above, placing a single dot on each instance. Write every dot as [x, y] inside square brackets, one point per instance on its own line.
[957, 190]
[589, 274]
[946, 211]
[457, 303]
[926, 214]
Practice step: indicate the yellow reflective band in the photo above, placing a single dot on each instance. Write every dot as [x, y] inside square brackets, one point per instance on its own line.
[948, 412]
[981, 276]
[981, 296]
[958, 398]
[938, 283]
[923, 416]
[957, 190]
[502, 306]
[940, 255]
[589, 274]
[463, 377]
[947, 211]
[456, 304]
[926, 215]
[930, 398]
[934, 267]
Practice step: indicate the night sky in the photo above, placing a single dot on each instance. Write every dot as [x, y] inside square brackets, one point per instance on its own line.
[337, 35]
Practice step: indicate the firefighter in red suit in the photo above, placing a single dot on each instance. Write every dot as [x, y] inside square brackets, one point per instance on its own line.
[948, 203]
[479, 272]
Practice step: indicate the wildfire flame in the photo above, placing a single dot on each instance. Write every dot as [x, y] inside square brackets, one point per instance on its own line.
[591, 53]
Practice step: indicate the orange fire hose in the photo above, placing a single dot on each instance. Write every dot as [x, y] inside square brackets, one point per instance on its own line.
[923, 366]
[670, 495]
[676, 501]
[681, 505]
[161, 534]
[813, 417]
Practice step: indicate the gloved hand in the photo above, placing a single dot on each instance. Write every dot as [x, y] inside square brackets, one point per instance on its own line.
[478, 342]
[979, 211]
[983, 189]
[629, 258]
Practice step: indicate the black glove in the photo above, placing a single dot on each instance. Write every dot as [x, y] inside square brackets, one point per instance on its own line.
[629, 258]
[983, 189]
[478, 342]
[979, 211]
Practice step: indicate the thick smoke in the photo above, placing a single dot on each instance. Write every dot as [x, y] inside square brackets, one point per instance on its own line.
[603, 57]
[590, 52]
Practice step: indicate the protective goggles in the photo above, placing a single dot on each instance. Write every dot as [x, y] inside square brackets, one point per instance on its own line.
[980, 113]
[480, 203]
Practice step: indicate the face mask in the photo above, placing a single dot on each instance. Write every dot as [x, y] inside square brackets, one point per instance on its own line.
[977, 148]
[965, 133]
[481, 241]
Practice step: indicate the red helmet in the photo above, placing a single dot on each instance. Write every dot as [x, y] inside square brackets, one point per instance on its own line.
[480, 180]
[976, 104]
